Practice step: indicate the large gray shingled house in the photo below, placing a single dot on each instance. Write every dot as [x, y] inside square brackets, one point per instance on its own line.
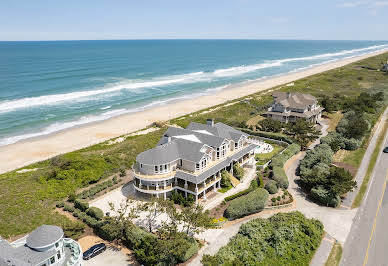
[288, 107]
[191, 160]
[42, 247]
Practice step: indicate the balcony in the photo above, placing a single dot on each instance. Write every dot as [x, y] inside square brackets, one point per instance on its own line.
[153, 189]
[73, 252]
[154, 177]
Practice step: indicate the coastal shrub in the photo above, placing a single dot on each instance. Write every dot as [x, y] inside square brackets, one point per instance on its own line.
[109, 229]
[178, 198]
[323, 196]
[281, 158]
[76, 212]
[60, 204]
[95, 212]
[260, 180]
[251, 203]
[122, 171]
[81, 204]
[225, 179]
[271, 187]
[280, 176]
[282, 239]
[352, 144]
[238, 171]
[68, 208]
[114, 179]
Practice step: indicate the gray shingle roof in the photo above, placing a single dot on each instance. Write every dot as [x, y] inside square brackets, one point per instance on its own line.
[179, 148]
[295, 100]
[196, 179]
[21, 256]
[44, 235]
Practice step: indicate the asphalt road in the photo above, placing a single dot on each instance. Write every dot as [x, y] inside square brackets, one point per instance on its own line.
[367, 243]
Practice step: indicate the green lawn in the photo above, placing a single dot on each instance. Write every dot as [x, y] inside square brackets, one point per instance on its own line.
[262, 158]
[26, 199]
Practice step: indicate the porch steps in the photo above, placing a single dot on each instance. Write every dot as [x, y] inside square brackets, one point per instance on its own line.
[234, 180]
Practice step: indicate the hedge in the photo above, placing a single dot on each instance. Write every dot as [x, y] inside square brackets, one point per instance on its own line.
[96, 189]
[60, 204]
[271, 187]
[95, 212]
[270, 135]
[251, 203]
[81, 204]
[277, 163]
[68, 208]
[280, 176]
[252, 187]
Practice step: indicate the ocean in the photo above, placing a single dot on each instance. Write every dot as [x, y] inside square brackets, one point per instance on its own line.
[50, 86]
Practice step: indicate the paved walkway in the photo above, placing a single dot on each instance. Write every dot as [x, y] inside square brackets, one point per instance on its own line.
[361, 172]
[323, 252]
[245, 183]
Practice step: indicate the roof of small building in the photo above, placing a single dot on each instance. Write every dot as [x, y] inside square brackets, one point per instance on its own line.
[44, 235]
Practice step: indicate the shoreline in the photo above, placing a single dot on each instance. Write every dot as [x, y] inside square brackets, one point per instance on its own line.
[36, 149]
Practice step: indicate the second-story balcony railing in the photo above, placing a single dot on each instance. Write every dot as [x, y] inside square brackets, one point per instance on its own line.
[160, 176]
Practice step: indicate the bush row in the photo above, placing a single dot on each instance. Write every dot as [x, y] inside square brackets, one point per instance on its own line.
[245, 205]
[252, 187]
[96, 189]
[271, 186]
[277, 163]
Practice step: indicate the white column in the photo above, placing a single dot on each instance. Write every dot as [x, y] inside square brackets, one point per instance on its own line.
[148, 187]
[231, 168]
[185, 186]
[164, 184]
[157, 186]
[157, 195]
[139, 183]
[196, 198]
[204, 194]
[185, 194]
[176, 181]
[165, 195]
[196, 188]
[215, 186]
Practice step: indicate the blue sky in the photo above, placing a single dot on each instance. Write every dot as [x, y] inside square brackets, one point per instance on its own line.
[162, 19]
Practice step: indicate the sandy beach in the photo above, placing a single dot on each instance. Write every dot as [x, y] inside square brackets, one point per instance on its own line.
[33, 150]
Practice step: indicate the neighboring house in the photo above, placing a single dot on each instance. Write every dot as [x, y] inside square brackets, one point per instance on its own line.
[288, 107]
[42, 247]
[191, 160]
[385, 67]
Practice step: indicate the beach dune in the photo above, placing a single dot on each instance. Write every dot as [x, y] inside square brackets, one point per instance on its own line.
[22, 153]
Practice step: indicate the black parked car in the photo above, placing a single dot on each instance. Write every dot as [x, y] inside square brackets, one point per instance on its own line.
[385, 150]
[94, 251]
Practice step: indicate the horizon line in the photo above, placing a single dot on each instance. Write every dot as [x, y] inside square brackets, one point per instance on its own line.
[197, 39]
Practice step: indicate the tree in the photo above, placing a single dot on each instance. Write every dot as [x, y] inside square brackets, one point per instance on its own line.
[270, 125]
[340, 181]
[194, 220]
[238, 171]
[153, 209]
[303, 131]
[225, 179]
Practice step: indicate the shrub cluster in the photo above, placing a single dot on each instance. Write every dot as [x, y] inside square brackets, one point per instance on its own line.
[225, 179]
[238, 171]
[178, 198]
[277, 163]
[95, 212]
[81, 204]
[271, 186]
[252, 187]
[283, 239]
[245, 205]
[337, 141]
[96, 189]
[325, 183]
[149, 250]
